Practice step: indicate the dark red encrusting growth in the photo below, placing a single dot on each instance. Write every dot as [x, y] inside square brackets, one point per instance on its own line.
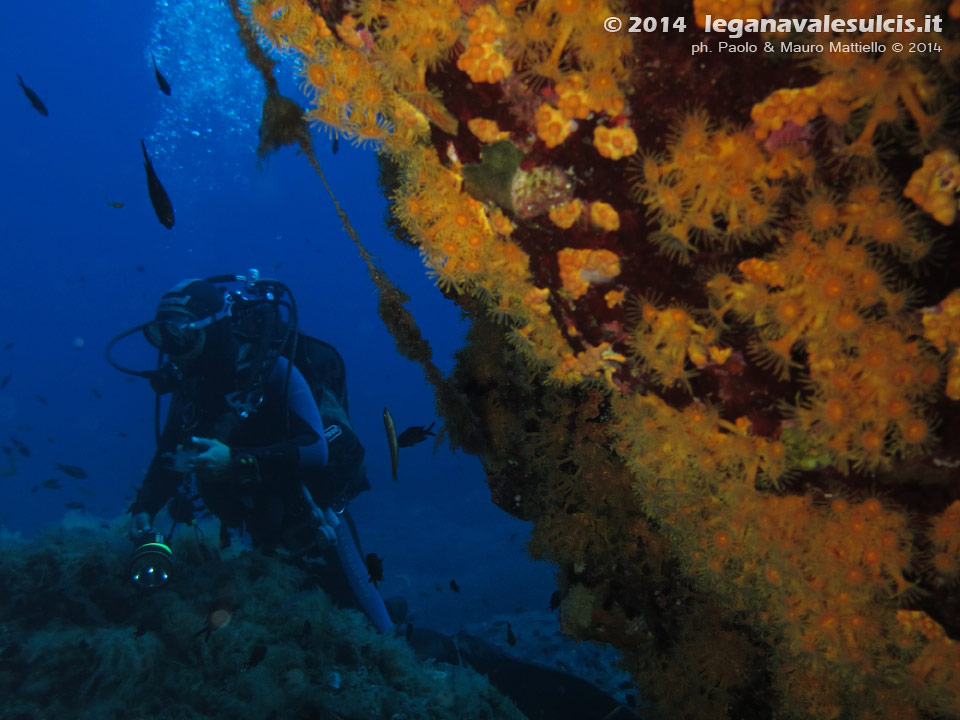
[666, 81]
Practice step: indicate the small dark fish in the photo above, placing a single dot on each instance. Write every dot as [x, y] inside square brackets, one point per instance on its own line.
[408, 634]
[555, 599]
[74, 505]
[6, 379]
[511, 638]
[415, 434]
[121, 434]
[33, 98]
[96, 393]
[41, 399]
[8, 450]
[141, 268]
[141, 630]
[74, 471]
[391, 429]
[161, 80]
[21, 447]
[158, 196]
[89, 493]
[335, 145]
[454, 586]
[114, 204]
[374, 567]
[8, 346]
[257, 654]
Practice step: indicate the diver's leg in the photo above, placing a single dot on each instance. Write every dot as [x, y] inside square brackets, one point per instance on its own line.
[358, 578]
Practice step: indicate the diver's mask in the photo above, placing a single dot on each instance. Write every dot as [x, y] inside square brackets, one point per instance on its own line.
[178, 330]
[181, 329]
[151, 564]
[177, 335]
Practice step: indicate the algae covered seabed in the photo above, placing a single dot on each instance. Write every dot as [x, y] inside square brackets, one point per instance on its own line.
[79, 640]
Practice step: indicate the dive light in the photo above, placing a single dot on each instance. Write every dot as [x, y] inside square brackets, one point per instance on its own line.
[152, 562]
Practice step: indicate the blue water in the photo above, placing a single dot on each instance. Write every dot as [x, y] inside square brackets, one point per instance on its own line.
[76, 271]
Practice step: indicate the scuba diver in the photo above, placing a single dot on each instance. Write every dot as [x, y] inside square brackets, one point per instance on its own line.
[257, 430]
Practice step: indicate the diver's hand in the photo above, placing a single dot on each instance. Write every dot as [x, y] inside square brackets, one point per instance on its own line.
[139, 524]
[205, 454]
[327, 522]
[211, 454]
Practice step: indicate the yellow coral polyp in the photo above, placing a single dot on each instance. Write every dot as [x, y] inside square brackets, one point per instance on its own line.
[581, 94]
[552, 127]
[573, 101]
[408, 125]
[614, 143]
[536, 299]
[482, 59]
[603, 93]
[487, 130]
[579, 268]
[501, 224]
[797, 105]
[347, 30]
[613, 298]
[941, 326]
[935, 187]
[712, 186]
[867, 375]
[604, 216]
[594, 362]
[565, 215]
[371, 131]
[665, 339]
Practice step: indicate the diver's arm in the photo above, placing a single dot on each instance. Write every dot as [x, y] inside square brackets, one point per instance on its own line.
[159, 485]
[161, 481]
[306, 450]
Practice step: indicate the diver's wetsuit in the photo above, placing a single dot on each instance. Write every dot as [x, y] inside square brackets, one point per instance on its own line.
[262, 491]
[265, 502]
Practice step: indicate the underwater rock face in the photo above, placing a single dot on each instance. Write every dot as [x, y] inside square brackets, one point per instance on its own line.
[716, 350]
[79, 640]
